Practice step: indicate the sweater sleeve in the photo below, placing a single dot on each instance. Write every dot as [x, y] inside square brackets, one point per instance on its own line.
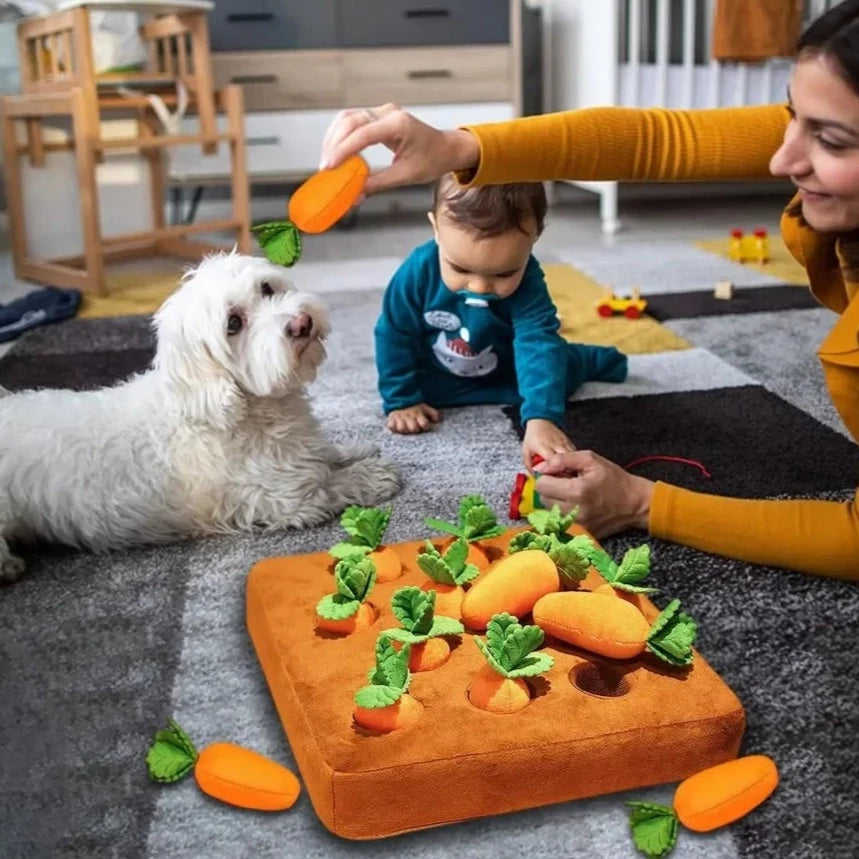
[818, 537]
[539, 352]
[398, 339]
[631, 144]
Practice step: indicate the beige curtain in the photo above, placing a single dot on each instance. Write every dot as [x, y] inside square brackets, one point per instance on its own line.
[752, 31]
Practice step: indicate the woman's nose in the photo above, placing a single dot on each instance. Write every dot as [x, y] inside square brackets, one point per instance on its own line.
[791, 158]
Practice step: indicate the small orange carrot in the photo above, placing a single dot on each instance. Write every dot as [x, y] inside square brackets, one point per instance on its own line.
[347, 610]
[476, 521]
[366, 527]
[448, 572]
[225, 771]
[421, 628]
[708, 800]
[512, 585]
[499, 685]
[385, 704]
[328, 195]
[614, 628]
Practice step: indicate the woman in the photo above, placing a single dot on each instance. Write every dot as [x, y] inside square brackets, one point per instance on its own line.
[813, 140]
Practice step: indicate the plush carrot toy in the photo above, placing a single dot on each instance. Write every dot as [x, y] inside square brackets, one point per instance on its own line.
[612, 627]
[625, 579]
[385, 705]
[476, 521]
[703, 802]
[448, 572]
[509, 652]
[366, 527]
[225, 771]
[347, 610]
[422, 628]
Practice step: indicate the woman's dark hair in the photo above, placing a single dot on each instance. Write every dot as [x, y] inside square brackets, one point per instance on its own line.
[490, 210]
[835, 34]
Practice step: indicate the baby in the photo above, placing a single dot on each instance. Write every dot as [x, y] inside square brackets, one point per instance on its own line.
[467, 319]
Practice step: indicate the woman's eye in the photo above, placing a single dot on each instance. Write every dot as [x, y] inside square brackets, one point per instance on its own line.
[830, 145]
[266, 289]
[234, 323]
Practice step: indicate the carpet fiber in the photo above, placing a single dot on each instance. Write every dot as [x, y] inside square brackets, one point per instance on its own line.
[97, 652]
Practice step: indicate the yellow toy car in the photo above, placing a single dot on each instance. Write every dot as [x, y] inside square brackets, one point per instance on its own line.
[631, 307]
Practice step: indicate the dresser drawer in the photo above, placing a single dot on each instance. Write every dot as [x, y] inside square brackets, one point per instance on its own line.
[246, 25]
[427, 75]
[378, 23]
[282, 80]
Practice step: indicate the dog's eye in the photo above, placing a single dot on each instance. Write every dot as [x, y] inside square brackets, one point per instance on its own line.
[266, 289]
[234, 323]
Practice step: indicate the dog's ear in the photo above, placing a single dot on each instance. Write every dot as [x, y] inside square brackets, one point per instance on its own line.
[186, 359]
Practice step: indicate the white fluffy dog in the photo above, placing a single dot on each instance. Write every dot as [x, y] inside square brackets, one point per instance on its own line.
[217, 436]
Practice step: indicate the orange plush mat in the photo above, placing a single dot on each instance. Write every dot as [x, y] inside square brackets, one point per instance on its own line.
[593, 727]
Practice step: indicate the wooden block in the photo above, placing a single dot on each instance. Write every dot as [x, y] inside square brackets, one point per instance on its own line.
[724, 290]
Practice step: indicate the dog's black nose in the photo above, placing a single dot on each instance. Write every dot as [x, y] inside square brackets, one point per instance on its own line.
[300, 325]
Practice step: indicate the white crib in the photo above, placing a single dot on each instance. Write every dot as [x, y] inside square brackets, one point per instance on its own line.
[648, 53]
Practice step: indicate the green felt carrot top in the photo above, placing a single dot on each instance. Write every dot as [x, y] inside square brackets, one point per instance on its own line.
[280, 242]
[172, 755]
[672, 635]
[415, 610]
[509, 647]
[366, 528]
[355, 577]
[449, 568]
[476, 520]
[628, 576]
[389, 679]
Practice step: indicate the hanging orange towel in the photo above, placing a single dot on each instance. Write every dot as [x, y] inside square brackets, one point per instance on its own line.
[752, 31]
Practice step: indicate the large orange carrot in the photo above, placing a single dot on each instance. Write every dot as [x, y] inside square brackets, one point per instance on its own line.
[421, 628]
[347, 610]
[328, 195]
[366, 527]
[448, 572]
[512, 585]
[614, 628]
[476, 521]
[385, 704]
[499, 685]
[225, 771]
[708, 800]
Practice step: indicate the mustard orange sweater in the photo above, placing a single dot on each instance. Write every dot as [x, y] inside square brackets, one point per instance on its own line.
[632, 144]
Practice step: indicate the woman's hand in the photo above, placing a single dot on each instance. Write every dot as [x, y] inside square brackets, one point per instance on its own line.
[609, 498]
[543, 438]
[421, 153]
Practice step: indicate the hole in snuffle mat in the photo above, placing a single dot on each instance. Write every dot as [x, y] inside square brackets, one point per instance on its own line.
[599, 680]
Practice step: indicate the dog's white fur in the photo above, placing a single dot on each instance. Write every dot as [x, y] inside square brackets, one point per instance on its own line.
[217, 436]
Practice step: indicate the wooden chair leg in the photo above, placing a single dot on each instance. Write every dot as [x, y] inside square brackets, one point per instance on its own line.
[204, 94]
[14, 190]
[85, 136]
[35, 142]
[157, 169]
[234, 104]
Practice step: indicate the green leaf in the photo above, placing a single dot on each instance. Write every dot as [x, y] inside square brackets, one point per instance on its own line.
[469, 572]
[431, 562]
[445, 626]
[571, 560]
[455, 556]
[375, 696]
[634, 589]
[602, 562]
[337, 607]
[672, 635]
[529, 540]
[551, 521]
[392, 666]
[280, 242]
[355, 577]
[532, 665]
[348, 549]
[634, 568]
[172, 754]
[519, 642]
[479, 522]
[654, 827]
[441, 525]
[509, 646]
[489, 656]
[366, 525]
[414, 609]
[404, 635]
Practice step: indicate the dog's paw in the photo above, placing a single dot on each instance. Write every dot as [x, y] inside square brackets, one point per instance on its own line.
[349, 454]
[11, 568]
[372, 481]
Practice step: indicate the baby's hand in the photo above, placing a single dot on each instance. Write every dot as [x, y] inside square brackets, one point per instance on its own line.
[544, 438]
[414, 419]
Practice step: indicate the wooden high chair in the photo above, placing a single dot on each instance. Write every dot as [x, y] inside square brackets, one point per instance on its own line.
[58, 80]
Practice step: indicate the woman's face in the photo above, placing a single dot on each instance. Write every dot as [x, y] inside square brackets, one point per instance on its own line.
[820, 151]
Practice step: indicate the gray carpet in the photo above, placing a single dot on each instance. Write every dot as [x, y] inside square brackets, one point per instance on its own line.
[97, 651]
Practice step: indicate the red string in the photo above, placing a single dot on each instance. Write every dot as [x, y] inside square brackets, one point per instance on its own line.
[669, 459]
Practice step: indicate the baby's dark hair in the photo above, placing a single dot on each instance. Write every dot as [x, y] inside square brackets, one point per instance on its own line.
[835, 34]
[490, 210]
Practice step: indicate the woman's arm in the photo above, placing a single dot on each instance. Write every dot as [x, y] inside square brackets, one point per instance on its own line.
[630, 144]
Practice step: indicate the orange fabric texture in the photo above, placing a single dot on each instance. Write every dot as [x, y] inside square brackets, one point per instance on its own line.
[725, 793]
[754, 31]
[387, 563]
[364, 785]
[328, 195]
[820, 537]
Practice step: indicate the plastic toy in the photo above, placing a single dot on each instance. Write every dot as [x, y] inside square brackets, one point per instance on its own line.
[509, 652]
[524, 498]
[225, 771]
[708, 800]
[366, 527]
[724, 290]
[631, 306]
[313, 208]
[448, 573]
[422, 628]
[753, 248]
[347, 610]
[385, 705]
[476, 521]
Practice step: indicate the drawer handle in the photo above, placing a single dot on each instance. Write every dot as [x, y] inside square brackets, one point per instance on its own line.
[253, 79]
[427, 13]
[422, 74]
[262, 141]
[249, 17]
